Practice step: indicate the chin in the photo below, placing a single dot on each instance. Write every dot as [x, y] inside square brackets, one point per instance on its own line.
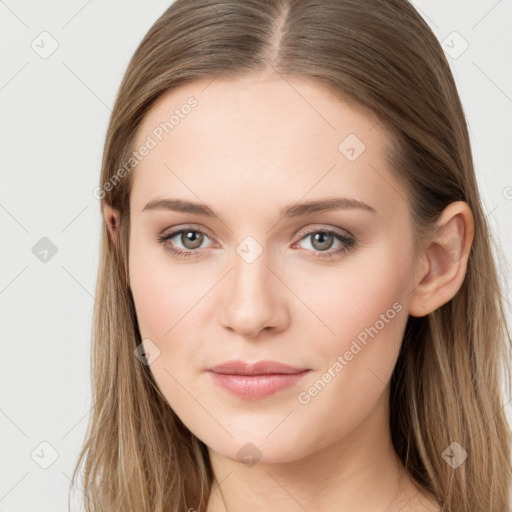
[253, 447]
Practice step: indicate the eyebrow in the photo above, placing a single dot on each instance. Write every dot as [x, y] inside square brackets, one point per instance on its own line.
[296, 210]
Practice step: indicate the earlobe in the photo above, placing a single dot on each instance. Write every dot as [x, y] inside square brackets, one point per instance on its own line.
[447, 253]
[112, 219]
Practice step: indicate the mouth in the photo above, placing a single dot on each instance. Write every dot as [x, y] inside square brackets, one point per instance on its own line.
[256, 380]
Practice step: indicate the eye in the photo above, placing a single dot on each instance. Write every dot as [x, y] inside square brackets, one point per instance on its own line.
[188, 242]
[322, 242]
[191, 239]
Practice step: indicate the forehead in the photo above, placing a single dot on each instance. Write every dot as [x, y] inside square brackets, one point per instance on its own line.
[259, 108]
[266, 135]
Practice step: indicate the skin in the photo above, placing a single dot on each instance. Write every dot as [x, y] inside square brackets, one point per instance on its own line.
[251, 147]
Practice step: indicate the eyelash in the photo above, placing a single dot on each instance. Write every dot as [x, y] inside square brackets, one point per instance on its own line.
[349, 243]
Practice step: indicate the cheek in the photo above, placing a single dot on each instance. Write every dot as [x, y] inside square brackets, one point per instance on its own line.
[173, 304]
[365, 307]
[352, 296]
[164, 292]
[166, 299]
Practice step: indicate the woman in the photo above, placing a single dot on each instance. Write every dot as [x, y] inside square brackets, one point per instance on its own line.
[297, 302]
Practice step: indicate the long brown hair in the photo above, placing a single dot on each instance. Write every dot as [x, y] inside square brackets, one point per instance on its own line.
[446, 387]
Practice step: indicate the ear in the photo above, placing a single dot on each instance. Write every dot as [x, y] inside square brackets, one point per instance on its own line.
[445, 259]
[112, 218]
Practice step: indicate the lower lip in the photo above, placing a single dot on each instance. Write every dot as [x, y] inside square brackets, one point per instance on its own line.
[256, 386]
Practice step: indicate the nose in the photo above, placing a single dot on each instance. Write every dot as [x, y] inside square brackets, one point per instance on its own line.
[253, 299]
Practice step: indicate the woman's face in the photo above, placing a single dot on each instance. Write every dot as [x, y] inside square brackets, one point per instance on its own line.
[264, 277]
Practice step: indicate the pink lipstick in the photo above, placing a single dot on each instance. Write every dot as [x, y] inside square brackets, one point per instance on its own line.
[256, 380]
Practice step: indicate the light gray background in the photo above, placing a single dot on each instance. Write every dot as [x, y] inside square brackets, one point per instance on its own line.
[54, 113]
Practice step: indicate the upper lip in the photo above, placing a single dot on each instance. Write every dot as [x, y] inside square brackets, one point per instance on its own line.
[257, 368]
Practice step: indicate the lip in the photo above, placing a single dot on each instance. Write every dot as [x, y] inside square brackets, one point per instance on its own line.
[256, 380]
